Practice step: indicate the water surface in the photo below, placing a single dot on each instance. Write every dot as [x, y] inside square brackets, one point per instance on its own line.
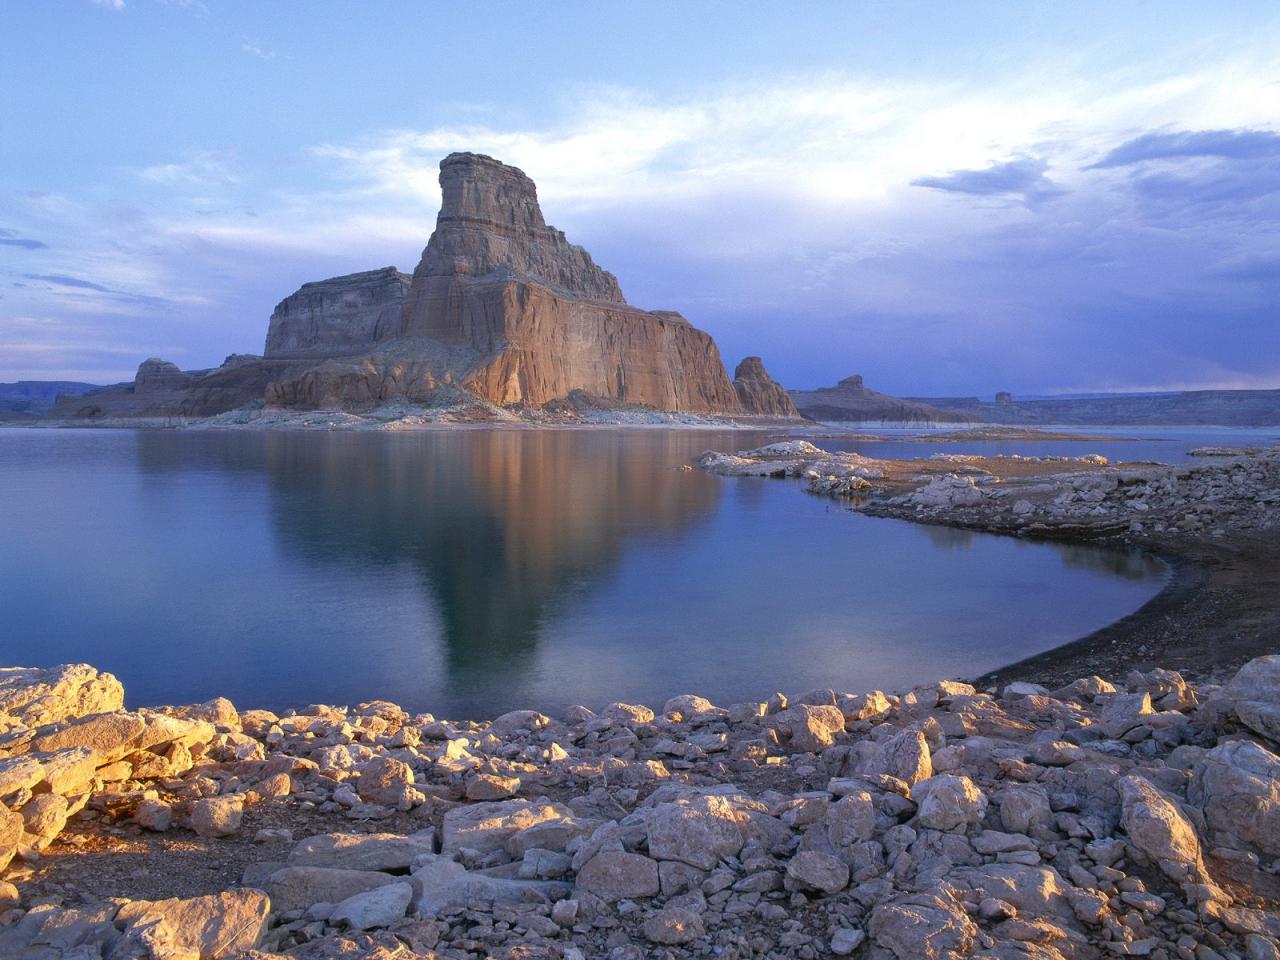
[469, 572]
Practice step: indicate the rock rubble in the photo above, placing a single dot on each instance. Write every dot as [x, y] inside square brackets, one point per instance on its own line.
[1133, 818]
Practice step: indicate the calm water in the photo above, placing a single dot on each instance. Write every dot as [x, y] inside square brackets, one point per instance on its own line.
[1161, 444]
[470, 572]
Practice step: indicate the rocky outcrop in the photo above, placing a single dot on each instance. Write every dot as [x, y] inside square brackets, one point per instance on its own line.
[157, 376]
[343, 315]
[759, 393]
[543, 318]
[851, 401]
[160, 389]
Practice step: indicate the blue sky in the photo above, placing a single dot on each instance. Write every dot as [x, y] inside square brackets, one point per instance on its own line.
[946, 197]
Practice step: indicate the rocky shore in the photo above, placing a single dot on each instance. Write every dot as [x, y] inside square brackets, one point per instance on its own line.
[1131, 818]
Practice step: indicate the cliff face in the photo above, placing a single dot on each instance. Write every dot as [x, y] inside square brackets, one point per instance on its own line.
[759, 393]
[344, 315]
[544, 318]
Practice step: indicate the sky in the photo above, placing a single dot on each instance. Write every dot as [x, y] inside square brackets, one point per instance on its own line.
[950, 198]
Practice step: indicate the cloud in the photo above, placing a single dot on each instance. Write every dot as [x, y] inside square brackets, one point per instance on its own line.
[202, 168]
[78, 283]
[1224, 144]
[110, 4]
[1024, 178]
[255, 48]
[10, 238]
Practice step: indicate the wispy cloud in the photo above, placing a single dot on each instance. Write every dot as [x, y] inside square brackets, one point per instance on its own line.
[198, 169]
[110, 4]
[11, 238]
[257, 49]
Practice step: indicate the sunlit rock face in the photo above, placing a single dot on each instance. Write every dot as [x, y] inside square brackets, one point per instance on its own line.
[340, 315]
[759, 393]
[496, 279]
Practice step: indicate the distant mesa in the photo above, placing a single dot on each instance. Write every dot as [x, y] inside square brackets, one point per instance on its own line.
[1004, 398]
[501, 306]
[851, 401]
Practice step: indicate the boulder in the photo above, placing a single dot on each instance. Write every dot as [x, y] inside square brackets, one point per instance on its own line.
[948, 802]
[35, 696]
[380, 907]
[1159, 829]
[441, 884]
[200, 928]
[11, 827]
[363, 851]
[672, 926]
[699, 831]
[1254, 695]
[386, 781]
[812, 870]
[811, 729]
[485, 827]
[296, 888]
[217, 816]
[1237, 787]
[923, 926]
[617, 875]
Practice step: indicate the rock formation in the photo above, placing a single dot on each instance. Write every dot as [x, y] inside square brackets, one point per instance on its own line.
[543, 317]
[343, 315]
[851, 401]
[501, 306]
[759, 393]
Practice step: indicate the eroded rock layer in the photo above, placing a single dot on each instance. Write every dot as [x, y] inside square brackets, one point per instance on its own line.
[546, 320]
[759, 393]
[342, 315]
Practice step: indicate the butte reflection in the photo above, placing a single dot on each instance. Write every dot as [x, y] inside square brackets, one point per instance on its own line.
[503, 526]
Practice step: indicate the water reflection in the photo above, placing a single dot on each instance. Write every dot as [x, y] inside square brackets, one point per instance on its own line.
[502, 527]
[470, 572]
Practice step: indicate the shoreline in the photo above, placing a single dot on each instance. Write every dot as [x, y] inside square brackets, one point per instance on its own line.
[1220, 608]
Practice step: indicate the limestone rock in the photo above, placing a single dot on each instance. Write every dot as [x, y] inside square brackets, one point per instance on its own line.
[487, 826]
[363, 851]
[812, 870]
[342, 315]
[1159, 829]
[759, 394]
[295, 888]
[811, 729]
[948, 802]
[34, 696]
[1237, 786]
[673, 925]
[441, 884]
[379, 907]
[698, 831]
[11, 827]
[219, 926]
[923, 927]
[618, 875]
[1254, 694]
[217, 816]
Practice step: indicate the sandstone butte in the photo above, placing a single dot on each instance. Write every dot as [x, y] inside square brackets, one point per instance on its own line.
[501, 306]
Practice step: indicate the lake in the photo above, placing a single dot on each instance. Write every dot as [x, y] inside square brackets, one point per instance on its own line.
[467, 572]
